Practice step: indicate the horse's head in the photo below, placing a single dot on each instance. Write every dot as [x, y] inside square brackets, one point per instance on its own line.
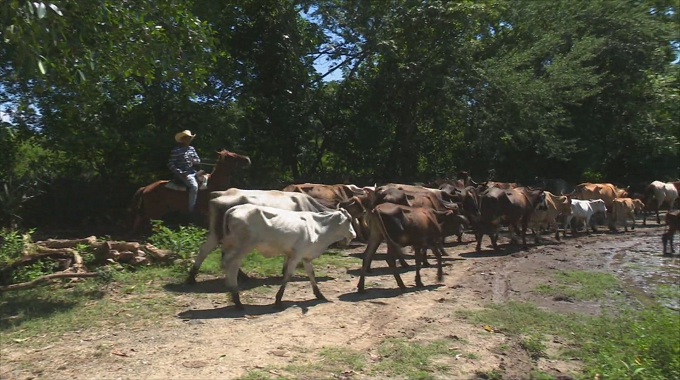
[232, 159]
[226, 162]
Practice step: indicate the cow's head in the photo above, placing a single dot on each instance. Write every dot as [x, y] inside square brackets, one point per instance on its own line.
[537, 198]
[345, 231]
[639, 206]
[356, 206]
[563, 204]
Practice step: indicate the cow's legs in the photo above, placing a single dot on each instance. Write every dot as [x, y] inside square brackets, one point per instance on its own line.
[588, 226]
[205, 249]
[366, 264]
[557, 229]
[420, 253]
[392, 263]
[231, 262]
[438, 254]
[632, 217]
[423, 257]
[658, 206]
[524, 233]
[288, 271]
[479, 236]
[494, 239]
[514, 231]
[567, 223]
[309, 268]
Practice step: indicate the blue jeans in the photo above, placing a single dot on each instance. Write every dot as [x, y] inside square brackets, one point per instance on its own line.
[192, 185]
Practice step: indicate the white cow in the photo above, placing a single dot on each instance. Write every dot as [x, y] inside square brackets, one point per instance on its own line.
[224, 200]
[300, 236]
[584, 210]
[656, 194]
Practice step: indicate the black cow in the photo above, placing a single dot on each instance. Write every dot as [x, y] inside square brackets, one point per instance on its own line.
[508, 207]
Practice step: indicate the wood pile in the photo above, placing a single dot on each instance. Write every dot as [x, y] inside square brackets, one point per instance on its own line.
[70, 261]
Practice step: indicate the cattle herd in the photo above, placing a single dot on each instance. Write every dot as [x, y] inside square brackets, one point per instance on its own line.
[303, 220]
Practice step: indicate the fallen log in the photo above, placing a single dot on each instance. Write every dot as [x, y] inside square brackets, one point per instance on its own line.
[122, 246]
[157, 253]
[68, 243]
[37, 281]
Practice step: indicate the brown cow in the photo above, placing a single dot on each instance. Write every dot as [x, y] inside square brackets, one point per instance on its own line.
[412, 199]
[605, 191]
[507, 207]
[329, 195]
[672, 226]
[555, 205]
[402, 226]
[622, 210]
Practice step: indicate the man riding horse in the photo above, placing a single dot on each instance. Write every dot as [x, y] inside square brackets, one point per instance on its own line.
[157, 199]
[183, 157]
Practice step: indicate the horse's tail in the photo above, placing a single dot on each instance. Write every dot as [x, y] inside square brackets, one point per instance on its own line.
[136, 207]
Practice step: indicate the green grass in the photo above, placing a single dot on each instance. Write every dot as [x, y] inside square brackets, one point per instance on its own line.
[622, 343]
[534, 346]
[42, 314]
[399, 359]
[539, 375]
[270, 267]
[345, 358]
[580, 285]
[412, 360]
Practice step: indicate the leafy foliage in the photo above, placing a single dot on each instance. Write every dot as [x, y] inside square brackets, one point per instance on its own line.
[507, 89]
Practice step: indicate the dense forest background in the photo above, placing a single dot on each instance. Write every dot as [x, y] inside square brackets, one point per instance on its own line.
[92, 93]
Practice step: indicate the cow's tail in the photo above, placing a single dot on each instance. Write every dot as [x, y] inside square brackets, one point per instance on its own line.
[383, 230]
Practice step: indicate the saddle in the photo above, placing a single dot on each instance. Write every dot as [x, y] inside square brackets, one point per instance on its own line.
[178, 185]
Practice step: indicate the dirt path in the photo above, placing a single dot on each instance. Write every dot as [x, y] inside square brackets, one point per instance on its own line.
[208, 339]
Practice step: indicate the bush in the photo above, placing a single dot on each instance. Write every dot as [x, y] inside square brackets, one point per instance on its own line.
[185, 242]
[12, 247]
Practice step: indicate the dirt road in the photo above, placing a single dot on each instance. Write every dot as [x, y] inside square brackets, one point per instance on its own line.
[207, 339]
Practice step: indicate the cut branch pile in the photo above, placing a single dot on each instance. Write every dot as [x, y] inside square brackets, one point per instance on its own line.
[70, 261]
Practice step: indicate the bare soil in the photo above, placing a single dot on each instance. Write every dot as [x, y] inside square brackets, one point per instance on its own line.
[208, 339]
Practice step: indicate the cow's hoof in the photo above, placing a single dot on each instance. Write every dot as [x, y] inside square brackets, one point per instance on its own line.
[278, 306]
[239, 306]
[191, 280]
[419, 284]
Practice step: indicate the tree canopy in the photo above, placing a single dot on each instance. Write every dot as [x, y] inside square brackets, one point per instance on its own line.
[507, 89]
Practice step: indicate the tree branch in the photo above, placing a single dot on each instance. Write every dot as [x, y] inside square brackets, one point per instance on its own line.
[37, 281]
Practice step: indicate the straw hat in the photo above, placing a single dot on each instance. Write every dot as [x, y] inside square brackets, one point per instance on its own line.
[184, 133]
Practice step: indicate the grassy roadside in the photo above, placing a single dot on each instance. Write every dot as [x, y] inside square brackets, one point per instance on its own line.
[42, 314]
[626, 341]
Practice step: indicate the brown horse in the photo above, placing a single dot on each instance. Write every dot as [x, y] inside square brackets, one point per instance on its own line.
[155, 200]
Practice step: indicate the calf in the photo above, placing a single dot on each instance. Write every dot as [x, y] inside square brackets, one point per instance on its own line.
[299, 236]
[222, 201]
[509, 207]
[402, 226]
[584, 210]
[672, 226]
[555, 205]
[622, 210]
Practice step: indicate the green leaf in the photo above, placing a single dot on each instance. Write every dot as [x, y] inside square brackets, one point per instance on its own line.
[56, 9]
[41, 67]
[40, 7]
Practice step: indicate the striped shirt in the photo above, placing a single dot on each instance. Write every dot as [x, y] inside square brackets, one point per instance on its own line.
[182, 158]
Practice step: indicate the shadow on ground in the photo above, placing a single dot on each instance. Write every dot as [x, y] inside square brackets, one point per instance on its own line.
[249, 310]
[217, 285]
